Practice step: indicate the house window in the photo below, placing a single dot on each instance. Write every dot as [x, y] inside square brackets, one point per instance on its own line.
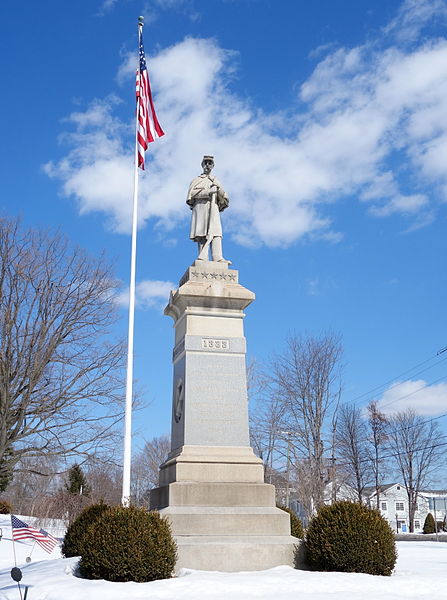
[416, 507]
[400, 506]
[383, 506]
[417, 524]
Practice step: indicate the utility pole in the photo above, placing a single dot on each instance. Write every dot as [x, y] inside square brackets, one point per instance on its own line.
[288, 433]
[334, 480]
[436, 519]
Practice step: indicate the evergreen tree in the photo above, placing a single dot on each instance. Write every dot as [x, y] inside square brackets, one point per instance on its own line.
[6, 471]
[77, 482]
[429, 524]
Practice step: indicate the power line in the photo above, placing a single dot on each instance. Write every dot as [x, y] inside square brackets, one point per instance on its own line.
[413, 392]
[396, 454]
[396, 377]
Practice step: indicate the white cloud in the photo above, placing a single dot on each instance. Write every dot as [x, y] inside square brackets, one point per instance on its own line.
[366, 108]
[153, 293]
[108, 5]
[413, 16]
[148, 294]
[425, 399]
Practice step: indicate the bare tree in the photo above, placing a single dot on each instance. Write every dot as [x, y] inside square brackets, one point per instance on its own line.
[60, 373]
[351, 443]
[31, 492]
[265, 431]
[266, 413]
[418, 449]
[378, 423]
[105, 479]
[145, 468]
[306, 378]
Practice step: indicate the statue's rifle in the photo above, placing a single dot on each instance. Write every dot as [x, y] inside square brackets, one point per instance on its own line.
[209, 236]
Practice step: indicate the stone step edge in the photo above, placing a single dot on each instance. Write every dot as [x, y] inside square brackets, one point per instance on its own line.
[204, 538]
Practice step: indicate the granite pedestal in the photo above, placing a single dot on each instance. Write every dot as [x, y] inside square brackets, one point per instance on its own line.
[212, 489]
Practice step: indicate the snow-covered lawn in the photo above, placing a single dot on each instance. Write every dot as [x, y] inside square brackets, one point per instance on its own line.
[421, 573]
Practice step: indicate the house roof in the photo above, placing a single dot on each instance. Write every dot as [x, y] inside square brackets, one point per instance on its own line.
[371, 489]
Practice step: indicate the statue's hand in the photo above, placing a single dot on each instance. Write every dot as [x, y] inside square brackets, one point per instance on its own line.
[214, 188]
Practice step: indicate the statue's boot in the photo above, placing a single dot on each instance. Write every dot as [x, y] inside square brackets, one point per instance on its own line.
[203, 251]
[216, 251]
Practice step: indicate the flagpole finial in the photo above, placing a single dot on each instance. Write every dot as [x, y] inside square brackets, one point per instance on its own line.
[140, 20]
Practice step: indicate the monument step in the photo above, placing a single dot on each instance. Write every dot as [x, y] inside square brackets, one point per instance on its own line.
[233, 520]
[212, 473]
[213, 494]
[238, 552]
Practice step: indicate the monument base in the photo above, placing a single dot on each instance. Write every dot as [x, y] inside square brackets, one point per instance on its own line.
[223, 516]
[237, 553]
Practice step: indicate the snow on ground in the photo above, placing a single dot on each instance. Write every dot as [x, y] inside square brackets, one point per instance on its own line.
[421, 574]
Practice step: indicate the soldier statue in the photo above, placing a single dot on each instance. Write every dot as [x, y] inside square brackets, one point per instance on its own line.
[207, 198]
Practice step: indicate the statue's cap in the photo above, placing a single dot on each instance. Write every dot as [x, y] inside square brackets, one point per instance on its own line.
[208, 157]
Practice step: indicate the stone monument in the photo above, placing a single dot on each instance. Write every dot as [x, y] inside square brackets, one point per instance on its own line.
[212, 489]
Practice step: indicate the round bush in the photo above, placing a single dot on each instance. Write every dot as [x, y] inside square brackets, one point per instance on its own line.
[5, 507]
[128, 544]
[429, 524]
[73, 543]
[296, 527]
[352, 538]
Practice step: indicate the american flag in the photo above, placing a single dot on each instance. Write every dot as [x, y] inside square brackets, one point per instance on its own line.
[22, 531]
[148, 126]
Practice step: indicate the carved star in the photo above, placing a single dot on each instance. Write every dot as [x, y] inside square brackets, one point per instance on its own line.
[213, 275]
[205, 275]
[194, 274]
[232, 276]
[222, 276]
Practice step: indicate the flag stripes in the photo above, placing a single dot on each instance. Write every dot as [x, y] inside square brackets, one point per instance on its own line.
[23, 531]
[148, 127]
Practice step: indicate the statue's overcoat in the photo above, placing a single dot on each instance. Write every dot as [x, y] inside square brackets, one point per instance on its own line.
[205, 220]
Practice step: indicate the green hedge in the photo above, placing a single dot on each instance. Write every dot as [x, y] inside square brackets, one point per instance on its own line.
[73, 543]
[429, 524]
[128, 544]
[296, 526]
[350, 537]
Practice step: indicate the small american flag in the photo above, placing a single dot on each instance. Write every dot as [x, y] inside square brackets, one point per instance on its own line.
[22, 531]
[148, 126]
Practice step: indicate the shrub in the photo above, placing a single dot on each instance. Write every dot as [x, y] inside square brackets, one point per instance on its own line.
[352, 538]
[5, 507]
[128, 544]
[429, 524]
[73, 543]
[296, 527]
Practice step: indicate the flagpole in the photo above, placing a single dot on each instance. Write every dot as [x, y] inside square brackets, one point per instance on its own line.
[125, 499]
[18, 572]
[13, 546]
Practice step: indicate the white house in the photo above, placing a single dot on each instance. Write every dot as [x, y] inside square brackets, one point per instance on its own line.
[437, 503]
[393, 504]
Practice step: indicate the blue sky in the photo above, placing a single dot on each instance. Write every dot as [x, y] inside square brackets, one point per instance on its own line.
[328, 123]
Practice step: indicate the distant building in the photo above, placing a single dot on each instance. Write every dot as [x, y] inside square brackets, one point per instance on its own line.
[393, 504]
